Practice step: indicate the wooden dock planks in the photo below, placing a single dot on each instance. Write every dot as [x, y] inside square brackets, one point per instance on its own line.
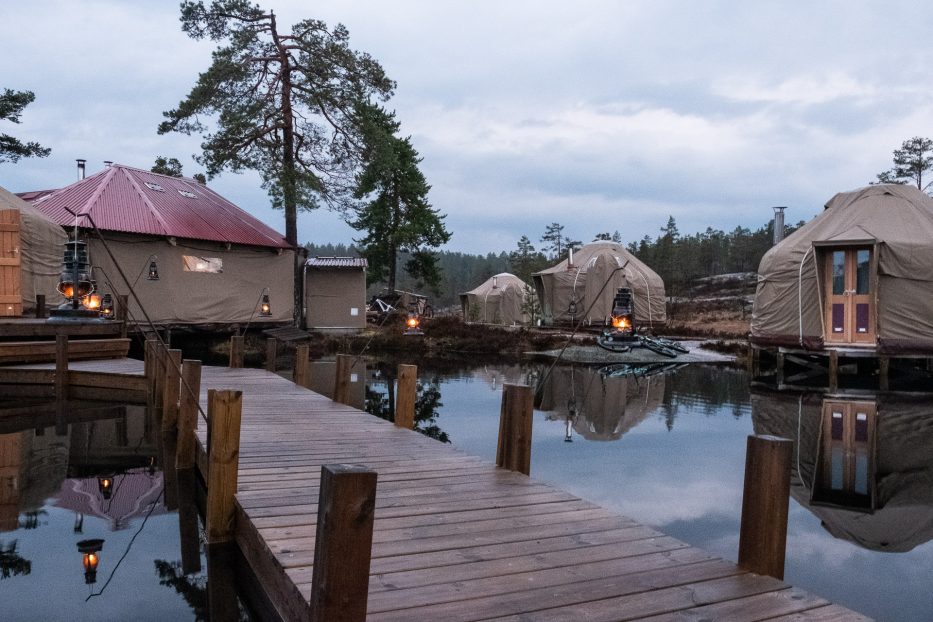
[456, 538]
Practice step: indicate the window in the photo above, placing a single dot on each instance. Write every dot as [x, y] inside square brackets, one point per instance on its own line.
[155, 187]
[213, 265]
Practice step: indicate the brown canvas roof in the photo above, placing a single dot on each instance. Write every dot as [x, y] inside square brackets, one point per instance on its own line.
[897, 221]
[498, 300]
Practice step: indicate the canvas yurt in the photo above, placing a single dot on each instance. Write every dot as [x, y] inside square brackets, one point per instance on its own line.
[498, 300]
[31, 251]
[588, 280]
[858, 275]
[192, 257]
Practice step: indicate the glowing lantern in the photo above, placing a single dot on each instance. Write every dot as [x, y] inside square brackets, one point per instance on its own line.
[153, 271]
[89, 550]
[105, 486]
[106, 306]
[265, 308]
[622, 317]
[413, 325]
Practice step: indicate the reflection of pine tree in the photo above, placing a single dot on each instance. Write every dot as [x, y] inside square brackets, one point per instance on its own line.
[30, 520]
[192, 589]
[11, 563]
[426, 405]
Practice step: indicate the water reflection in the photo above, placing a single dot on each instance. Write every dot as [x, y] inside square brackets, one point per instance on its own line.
[380, 400]
[863, 465]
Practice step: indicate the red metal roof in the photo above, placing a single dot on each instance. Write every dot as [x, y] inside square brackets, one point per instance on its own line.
[337, 262]
[132, 200]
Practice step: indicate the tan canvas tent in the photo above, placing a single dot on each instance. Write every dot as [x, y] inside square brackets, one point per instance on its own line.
[32, 256]
[566, 291]
[498, 300]
[859, 274]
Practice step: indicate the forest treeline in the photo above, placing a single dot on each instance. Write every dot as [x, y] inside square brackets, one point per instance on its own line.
[679, 259]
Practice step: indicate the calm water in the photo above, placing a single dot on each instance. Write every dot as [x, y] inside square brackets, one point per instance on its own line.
[97, 487]
[669, 451]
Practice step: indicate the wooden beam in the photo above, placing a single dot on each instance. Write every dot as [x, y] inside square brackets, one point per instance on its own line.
[884, 371]
[405, 396]
[40, 305]
[343, 543]
[345, 365]
[45, 351]
[515, 419]
[61, 367]
[833, 370]
[763, 532]
[302, 373]
[779, 369]
[122, 314]
[271, 353]
[224, 412]
[171, 390]
[237, 351]
[188, 413]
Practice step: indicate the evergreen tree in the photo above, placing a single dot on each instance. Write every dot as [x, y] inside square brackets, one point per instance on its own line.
[525, 261]
[395, 215]
[12, 149]
[554, 239]
[283, 103]
[167, 166]
[911, 162]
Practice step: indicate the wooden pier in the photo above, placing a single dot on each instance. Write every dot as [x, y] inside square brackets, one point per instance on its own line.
[455, 537]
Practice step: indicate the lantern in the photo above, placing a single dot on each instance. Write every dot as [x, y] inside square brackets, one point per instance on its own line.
[106, 306]
[265, 308]
[622, 318]
[413, 325]
[89, 550]
[105, 486]
[153, 271]
[75, 282]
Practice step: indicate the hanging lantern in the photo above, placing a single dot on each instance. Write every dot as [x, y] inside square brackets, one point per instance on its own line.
[105, 486]
[623, 324]
[106, 306]
[90, 550]
[153, 271]
[265, 308]
[75, 282]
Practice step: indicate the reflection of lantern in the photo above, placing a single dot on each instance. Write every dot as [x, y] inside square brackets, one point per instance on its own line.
[105, 486]
[106, 306]
[412, 325]
[622, 318]
[265, 308]
[89, 550]
[153, 271]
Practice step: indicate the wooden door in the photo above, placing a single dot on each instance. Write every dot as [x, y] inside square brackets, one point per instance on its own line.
[847, 455]
[11, 298]
[850, 308]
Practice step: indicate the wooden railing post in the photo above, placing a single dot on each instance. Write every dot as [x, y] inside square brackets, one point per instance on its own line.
[122, 314]
[159, 357]
[237, 351]
[405, 396]
[188, 521]
[763, 534]
[188, 413]
[40, 305]
[302, 372]
[833, 370]
[271, 353]
[514, 449]
[61, 367]
[343, 543]
[170, 391]
[345, 364]
[224, 410]
[884, 373]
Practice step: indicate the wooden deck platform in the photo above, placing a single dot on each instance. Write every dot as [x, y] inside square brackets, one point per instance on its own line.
[456, 538]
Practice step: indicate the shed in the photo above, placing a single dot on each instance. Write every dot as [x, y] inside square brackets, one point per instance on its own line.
[214, 261]
[858, 275]
[583, 288]
[498, 300]
[335, 293]
[31, 249]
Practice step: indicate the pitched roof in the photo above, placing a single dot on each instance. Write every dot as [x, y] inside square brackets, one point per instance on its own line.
[337, 262]
[132, 200]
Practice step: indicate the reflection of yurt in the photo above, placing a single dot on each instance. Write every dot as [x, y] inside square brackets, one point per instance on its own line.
[499, 300]
[599, 407]
[568, 290]
[31, 247]
[860, 273]
[863, 465]
[133, 495]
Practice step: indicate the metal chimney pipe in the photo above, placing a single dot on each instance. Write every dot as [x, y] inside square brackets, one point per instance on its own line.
[779, 223]
[570, 258]
[107, 163]
[495, 281]
[80, 168]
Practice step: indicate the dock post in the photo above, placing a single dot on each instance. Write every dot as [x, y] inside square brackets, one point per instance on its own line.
[765, 499]
[884, 370]
[833, 370]
[40, 305]
[345, 364]
[343, 543]
[159, 357]
[779, 368]
[170, 391]
[514, 449]
[237, 353]
[61, 367]
[754, 362]
[123, 313]
[224, 410]
[405, 396]
[271, 353]
[302, 366]
[188, 521]
[188, 413]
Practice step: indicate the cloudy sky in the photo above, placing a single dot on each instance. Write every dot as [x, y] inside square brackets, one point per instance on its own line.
[600, 115]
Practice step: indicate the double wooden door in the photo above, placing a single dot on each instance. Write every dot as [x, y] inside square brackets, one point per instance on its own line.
[850, 307]
[11, 300]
